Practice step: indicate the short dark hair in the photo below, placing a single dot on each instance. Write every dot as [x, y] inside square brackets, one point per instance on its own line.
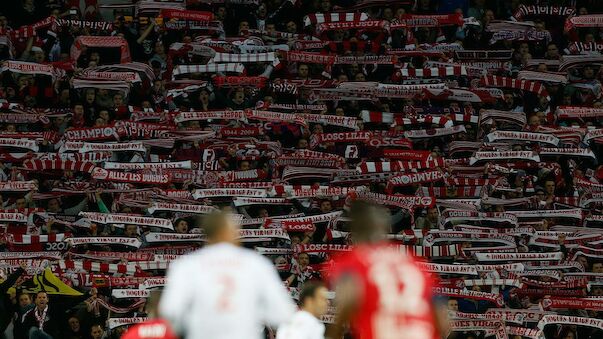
[213, 223]
[308, 290]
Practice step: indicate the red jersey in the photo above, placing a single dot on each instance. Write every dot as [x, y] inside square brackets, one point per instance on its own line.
[394, 297]
[151, 329]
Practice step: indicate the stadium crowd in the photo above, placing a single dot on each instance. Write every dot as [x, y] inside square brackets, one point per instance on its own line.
[478, 124]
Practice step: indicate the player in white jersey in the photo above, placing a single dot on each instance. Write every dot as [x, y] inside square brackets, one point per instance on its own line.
[223, 290]
[306, 323]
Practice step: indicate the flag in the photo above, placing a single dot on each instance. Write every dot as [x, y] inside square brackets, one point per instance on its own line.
[49, 283]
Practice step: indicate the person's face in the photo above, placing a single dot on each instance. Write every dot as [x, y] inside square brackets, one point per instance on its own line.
[182, 227]
[53, 206]
[243, 26]
[24, 300]
[589, 72]
[96, 332]
[262, 11]
[104, 115]
[326, 206]
[524, 49]
[90, 96]
[39, 57]
[317, 129]
[304, 260]
[204, 96]
[20, 203]
[74, 324]
[583, 261]
[221, 13]
[263, 213]
[597, 291]
[360, 77]
[270, 28]
[302, 144]
[244, 166]
[339, 112]
[549, 187]
[534, 121]
[130, 230]
[159, 47]
[569, 335]
[453, 305]
[598, 267]
[432, 214]
[553, 51]
[291, 27]
[239, 97]
[3, 21]
[303, 71]
[41, 300]
[318, 303]
[118, 100]
[489, 15]
[325, 5]
[388, 14]
[582, 11]
[539, 26]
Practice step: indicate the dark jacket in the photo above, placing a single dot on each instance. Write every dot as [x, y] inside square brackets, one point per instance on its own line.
[7, 308]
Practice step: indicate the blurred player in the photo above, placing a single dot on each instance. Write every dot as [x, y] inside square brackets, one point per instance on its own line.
[223, 290]
[306, 323]
[153, 328]
[380, 292]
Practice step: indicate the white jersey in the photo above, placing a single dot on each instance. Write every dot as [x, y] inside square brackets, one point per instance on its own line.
[224, 291]
[303, 325]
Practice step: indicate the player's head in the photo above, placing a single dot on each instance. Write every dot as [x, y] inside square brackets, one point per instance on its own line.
[221, 227]
[152, 305]
[313, 298]
[369, 222]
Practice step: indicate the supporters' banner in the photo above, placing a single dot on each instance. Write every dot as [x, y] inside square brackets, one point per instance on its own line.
[569, 320]
[531, 315]
[153, 237]
[18, 186]
[407, 202]
[549, 256]
[131, 242]
[30, 255]
[107, 218]
[524, 136]
[130, 293]
[474, 295]
[114, 323]
[449, 269]
[493, 156]
[19, 143]
[114, 256]
[49, 283]
[321, 248]
[228, 192]
[415, 178]
[592, 304]
[140, 178]
[91, 133]
[523, 11]
[262, 234]
[147, 165]
[164, 206]
[574, 213]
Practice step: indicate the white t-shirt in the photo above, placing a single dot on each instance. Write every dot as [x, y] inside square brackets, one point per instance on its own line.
[224, 291]
[303, 325]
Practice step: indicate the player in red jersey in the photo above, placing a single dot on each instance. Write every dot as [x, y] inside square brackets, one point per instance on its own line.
[380, 291]
[155, 328]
